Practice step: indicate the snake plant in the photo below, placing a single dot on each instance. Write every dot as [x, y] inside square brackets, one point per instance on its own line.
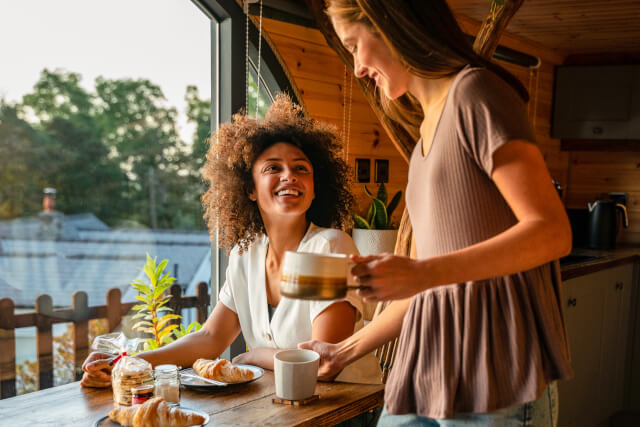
[379, 213]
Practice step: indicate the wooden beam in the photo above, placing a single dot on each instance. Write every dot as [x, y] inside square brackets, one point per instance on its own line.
[494, 25]
[514, 41]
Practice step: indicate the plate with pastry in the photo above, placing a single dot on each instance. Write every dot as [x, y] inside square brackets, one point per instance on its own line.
[207, 373]
[153, 412]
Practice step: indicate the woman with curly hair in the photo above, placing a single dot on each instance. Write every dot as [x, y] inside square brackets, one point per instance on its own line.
[276, 184]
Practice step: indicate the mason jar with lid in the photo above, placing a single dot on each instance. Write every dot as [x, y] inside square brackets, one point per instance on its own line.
[141, 393]
[167, 384]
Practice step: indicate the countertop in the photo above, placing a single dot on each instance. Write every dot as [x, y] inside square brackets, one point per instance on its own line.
[603, 259]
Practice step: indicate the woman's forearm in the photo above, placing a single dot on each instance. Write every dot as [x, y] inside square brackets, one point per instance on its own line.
[382, 329]
[261, 356]
[524, 246]
[185, 351]
[217, 333]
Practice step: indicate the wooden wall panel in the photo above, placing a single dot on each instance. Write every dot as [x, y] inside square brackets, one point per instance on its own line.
[319, 76]
[583, 175]
[539, 83]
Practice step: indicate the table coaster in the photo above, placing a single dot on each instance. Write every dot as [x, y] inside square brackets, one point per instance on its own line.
[296, 402]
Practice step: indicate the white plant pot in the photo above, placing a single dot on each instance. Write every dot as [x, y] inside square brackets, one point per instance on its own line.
[371, 242]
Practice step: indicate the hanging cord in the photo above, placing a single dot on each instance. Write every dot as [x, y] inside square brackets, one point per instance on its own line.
[529, 92]
[343, 133]
[348, 131]
[259, 61]
[535, 100]
[533, 115]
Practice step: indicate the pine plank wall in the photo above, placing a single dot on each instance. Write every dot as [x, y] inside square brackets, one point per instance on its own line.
[319, 76]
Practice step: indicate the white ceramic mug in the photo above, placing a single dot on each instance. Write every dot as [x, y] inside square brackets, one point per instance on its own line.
[307, 275]
[296, 373]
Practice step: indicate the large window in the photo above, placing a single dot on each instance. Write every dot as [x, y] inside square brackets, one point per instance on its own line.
[104, 114]
[105, 110]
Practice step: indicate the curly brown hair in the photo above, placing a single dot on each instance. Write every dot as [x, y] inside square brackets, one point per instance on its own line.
[235, 147]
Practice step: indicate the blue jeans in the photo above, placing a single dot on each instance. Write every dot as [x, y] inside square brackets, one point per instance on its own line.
[539, 413]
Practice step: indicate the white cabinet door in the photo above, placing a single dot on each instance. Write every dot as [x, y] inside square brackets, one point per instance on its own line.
[584, 311]
[611, 367]
[615, 344]
[597, 311]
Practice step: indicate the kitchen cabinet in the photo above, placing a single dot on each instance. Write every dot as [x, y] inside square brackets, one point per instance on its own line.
[598, 318]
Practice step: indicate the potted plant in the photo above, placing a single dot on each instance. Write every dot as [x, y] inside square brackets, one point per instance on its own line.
[375, 234]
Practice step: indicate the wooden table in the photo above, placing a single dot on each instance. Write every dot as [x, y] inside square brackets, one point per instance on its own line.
[247, 404]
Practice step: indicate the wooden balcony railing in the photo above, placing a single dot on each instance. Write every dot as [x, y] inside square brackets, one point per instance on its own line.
[79, 315]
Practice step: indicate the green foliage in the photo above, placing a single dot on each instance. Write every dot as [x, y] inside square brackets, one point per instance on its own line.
[153, 310]
[59, 94]
[22, 153]
[257, 100]
[199, 113]
[105, 151]
[379, 212]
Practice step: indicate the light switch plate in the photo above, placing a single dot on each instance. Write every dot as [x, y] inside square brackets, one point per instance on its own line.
[381, 170]
[363, 170]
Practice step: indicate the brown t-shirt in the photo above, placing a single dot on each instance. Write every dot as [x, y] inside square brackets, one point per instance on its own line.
[481, 345]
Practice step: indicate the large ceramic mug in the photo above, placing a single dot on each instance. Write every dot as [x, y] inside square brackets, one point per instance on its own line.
[313, 276]
[295, 372]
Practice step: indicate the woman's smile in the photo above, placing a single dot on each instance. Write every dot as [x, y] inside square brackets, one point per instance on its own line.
[289, 192]
[373, 58]
[283, 181]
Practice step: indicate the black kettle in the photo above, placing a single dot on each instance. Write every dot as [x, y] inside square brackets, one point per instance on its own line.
[603, 223]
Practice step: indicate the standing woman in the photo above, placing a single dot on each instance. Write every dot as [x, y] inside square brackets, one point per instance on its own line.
[482, 335]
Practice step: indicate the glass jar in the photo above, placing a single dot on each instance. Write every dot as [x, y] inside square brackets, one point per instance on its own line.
[168, 384]
[141, 394]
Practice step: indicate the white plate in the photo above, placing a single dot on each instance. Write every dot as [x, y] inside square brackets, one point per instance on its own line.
[106, 422]
[189, 378]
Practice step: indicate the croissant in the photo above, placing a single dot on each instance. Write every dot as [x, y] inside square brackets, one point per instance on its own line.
[154, 413]
[221, 370]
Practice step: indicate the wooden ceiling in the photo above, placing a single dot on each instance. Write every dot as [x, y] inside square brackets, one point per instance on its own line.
[565, 27]
[571, 27]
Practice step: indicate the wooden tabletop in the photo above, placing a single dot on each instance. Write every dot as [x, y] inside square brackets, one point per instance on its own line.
[246, 404]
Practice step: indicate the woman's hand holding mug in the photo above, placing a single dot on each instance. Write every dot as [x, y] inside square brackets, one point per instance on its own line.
[330, 363]
[389, 277]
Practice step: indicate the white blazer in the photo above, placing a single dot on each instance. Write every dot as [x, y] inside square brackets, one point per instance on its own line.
[244, 292]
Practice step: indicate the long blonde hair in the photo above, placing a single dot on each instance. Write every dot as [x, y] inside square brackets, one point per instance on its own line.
[425, 37]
